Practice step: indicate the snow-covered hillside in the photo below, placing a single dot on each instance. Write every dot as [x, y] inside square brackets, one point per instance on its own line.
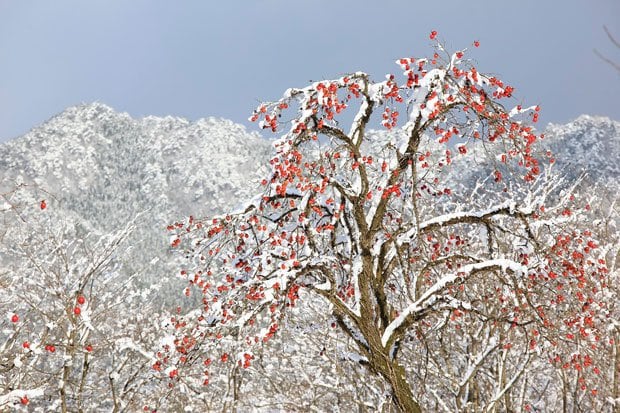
[588, 143]
[108, 166]
[105, 168]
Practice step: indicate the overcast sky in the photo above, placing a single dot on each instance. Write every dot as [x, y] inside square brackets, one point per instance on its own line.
[219, 58]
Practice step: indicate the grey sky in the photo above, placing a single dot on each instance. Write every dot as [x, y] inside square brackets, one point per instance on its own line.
[218, 58]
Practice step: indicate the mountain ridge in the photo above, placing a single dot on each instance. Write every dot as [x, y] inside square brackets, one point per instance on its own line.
[201, 167]
[102, 169]
[106, 168]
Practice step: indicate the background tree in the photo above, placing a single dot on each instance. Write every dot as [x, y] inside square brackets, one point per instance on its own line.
[605, 58]
[77, 333]
[410, 265]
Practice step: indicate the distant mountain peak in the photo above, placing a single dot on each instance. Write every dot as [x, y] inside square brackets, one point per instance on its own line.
[90, 110]
[588, 143]
[582, 123]
[90, 150]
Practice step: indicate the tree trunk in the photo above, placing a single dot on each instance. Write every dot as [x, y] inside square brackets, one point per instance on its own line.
[403, 395]
[379, 356]
[394, 375]
[615, 388]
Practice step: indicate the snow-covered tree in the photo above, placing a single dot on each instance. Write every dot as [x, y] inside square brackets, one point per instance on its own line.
[434, 278]
[76, 332]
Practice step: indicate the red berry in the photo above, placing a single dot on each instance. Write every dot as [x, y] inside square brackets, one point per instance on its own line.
[43, 204]
[77, 311]
[26, 344]
[24, 400]
[14, 318]
[88, 348]
[51, 348]
[433, 34]
[476, 43]
[81, 300]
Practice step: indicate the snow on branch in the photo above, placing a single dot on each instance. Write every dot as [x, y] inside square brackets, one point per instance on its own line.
[510, 383]
[505, 208]
[430, 296]
[20, 396]
[473, 367]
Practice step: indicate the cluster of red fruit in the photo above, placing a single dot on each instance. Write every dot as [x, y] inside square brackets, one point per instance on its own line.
[80, 301]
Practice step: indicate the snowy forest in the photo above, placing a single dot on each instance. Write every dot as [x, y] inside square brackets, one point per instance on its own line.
[415, 243]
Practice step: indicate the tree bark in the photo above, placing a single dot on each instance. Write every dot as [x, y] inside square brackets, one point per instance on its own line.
[394, 374]
[615, 389]
[390, 370]
[378, 355]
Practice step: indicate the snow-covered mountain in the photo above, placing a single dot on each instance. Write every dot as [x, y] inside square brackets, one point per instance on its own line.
[109, 166]
[588, 143]
[106, 168]
[585, 150]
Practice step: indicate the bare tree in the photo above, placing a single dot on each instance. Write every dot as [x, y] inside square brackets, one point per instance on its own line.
[605, 58]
